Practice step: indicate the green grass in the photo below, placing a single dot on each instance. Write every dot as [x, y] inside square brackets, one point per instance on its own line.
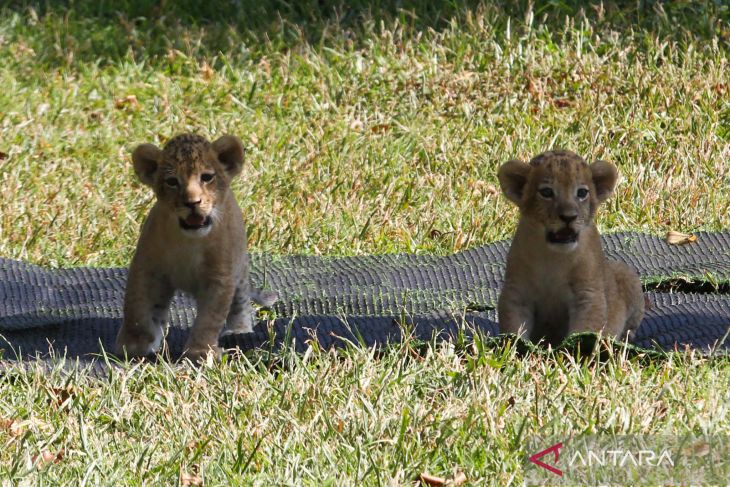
[344, 418]
[373, 134]
[374, 127]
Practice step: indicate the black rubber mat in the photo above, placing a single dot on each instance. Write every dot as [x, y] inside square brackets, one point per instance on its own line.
[370, 300]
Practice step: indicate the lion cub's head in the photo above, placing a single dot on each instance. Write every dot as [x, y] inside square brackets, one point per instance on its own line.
[559, 192]
[190, 176]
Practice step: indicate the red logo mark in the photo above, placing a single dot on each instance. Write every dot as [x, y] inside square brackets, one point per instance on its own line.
[555, 449]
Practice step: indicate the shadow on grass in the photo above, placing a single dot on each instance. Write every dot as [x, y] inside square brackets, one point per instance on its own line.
[85, 339]
[63, 33]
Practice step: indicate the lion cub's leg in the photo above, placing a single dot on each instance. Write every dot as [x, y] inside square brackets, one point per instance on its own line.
[146, 309]
[588, 311]
[214, 302]
[628, 296]
[615, 311]
[240, 314]
[514, 315]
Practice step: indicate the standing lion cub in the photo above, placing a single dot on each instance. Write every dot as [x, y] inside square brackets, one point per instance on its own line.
[558, 281]
[194, 239]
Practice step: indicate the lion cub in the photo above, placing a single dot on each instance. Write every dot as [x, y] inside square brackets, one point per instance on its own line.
[558, 280]
[194, 239]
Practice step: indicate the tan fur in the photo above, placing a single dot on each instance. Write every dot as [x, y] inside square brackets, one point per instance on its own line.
[554, 286]
[191, 179]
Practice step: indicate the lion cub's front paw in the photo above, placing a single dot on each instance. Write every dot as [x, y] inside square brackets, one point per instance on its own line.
[238, 328]
[263, 297]
[137, 344]
[200, 354]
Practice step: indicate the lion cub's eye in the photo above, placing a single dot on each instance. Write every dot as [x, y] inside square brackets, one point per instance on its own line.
[582, 193]
[546, 192]
[171, 182]
[207, 177]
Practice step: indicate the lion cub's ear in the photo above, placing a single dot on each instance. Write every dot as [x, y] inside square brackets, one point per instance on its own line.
[146, 158]
[230, 153]
[604, 176]
[512, 179]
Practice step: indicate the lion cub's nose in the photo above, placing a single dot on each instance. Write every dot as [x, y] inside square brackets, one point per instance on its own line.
[192, 204]
[568, 217]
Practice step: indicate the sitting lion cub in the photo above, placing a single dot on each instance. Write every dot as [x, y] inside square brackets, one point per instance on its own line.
[194, 239]
[558, 280]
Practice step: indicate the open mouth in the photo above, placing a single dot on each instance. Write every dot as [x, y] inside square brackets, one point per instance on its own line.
[195, 222]
[563, 236]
